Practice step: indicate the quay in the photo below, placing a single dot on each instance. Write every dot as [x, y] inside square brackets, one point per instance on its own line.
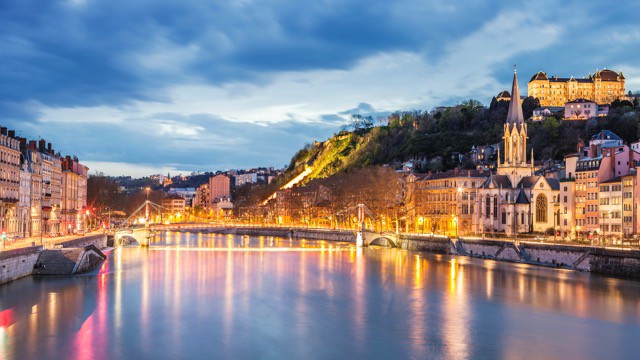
[62, 256]
[599, 260]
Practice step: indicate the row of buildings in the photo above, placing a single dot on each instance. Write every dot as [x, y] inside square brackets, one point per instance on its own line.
[596, 193]
[41, 192]
[214, 197]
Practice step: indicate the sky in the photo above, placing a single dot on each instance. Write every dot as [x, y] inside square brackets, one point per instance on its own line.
[140, 87]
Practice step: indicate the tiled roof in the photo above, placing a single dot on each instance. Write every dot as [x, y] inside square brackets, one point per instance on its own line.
[528, 182]
[500, 181]
[605, 135]
[554, 183]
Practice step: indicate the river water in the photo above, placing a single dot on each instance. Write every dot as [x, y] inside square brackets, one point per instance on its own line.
[204, 296]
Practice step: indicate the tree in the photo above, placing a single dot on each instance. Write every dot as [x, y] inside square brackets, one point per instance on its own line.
[528, 105]
[104, 191]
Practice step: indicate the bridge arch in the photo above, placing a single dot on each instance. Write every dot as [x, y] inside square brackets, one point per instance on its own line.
[375, 238]
[140, 235]
[383, 241]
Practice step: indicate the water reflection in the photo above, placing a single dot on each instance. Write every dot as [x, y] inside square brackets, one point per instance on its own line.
[223, 296]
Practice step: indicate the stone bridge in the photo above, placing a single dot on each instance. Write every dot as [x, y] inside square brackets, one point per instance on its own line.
[142, 235]
[376, 238]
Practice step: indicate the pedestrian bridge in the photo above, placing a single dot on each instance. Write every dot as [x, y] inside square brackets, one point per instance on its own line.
[127, 236]
[376, 238]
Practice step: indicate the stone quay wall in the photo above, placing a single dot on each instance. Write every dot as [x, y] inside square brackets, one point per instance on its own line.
[99, 241]
[615, 262]
[434, 244]
[297, 233]
[597, 260]
[18, 263]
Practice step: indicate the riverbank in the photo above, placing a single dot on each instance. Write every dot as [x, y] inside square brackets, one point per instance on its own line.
[606, 261]
[68, 256]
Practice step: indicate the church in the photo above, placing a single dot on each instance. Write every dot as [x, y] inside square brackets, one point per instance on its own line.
[514, 200]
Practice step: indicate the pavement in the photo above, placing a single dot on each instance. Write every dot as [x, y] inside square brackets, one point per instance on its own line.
[47, 241]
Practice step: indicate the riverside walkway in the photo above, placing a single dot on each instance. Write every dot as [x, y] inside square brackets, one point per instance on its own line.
[46, 241]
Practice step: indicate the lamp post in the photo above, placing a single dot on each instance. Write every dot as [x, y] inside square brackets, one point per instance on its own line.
[458, 205]
[556, 220]
[455, 219]
[146, 211]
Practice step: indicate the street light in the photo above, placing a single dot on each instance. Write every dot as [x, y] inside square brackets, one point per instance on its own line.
[455, 220]
[458, 200]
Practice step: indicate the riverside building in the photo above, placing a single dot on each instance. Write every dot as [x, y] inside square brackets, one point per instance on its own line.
[33, 196]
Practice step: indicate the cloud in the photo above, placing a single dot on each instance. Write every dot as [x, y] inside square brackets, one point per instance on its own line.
[206, 86]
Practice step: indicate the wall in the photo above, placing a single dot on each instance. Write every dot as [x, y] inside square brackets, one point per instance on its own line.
[615, 262]
[435, 244]
[597, 260]
[18, 263]
[99, 241]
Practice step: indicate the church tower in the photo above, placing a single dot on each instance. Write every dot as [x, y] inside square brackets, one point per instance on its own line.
[515, 164]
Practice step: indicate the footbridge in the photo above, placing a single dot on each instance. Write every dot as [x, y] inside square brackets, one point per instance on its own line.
[128, 235]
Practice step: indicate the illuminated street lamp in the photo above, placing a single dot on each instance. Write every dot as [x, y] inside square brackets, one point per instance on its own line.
[455, 220]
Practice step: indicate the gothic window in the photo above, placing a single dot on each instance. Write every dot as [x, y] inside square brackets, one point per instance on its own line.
[541, 208]
[487, 204]
[495, 206]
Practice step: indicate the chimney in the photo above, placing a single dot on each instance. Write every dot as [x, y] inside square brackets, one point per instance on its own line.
[580, 145]
[49, 148]
[3, 130]
[593, 150]
[42, 145]
[32, 145]
[12, 133]
[23, 144]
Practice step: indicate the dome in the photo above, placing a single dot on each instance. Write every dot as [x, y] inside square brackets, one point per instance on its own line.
[503, 94]
[608, 75]
[539, 76]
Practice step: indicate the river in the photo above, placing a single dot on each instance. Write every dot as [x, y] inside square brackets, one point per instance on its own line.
[203, 296]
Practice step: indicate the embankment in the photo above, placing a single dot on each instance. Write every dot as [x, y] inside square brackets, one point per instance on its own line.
[67, 257]
[584, 258]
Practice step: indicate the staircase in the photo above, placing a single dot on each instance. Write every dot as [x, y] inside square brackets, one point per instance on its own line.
[57, 262]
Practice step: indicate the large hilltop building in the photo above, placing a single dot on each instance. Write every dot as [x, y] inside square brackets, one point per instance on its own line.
[603, 87]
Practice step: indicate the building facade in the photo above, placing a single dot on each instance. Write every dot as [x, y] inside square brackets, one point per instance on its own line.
[219, 188]
[514, 200]
[603, 87]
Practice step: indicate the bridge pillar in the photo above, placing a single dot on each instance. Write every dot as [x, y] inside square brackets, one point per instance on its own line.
[359, 239]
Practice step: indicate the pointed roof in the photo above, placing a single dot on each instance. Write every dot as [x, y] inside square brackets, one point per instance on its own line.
[498, 181]
[522, 198]
[514, 116]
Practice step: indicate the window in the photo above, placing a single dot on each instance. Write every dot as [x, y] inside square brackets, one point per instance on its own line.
[504, 218]
[495, 206]
[541, 208]
[487, 204]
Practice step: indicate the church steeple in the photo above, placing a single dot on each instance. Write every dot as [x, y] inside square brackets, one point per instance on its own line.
[515, 164]
[514, 116]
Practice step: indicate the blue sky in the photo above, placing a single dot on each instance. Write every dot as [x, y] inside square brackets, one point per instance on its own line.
[150, 86]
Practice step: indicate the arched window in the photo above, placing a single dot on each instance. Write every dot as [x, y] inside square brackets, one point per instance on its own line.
[487, 205]
[495, 206]
[541, 208]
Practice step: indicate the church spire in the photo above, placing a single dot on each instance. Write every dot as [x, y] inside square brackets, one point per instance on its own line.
[514, 116]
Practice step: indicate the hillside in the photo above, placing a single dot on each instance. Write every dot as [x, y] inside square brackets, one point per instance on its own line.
[436, 138]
